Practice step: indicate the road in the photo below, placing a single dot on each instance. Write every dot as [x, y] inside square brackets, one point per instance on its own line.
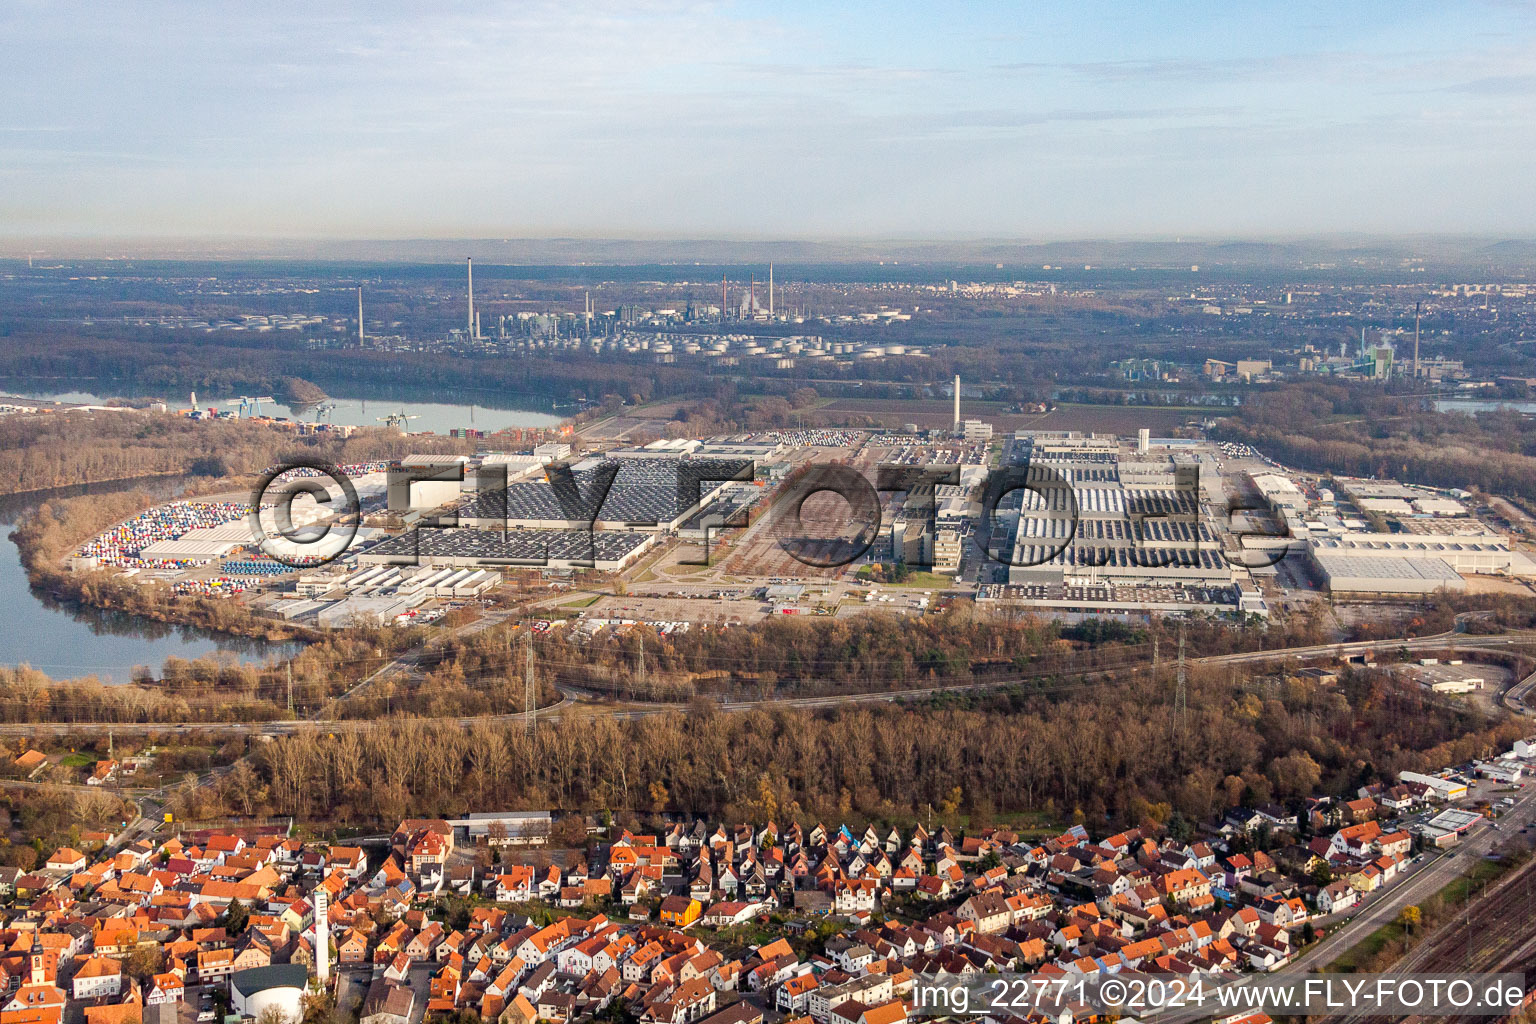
[1432, 955]
[1518, 697]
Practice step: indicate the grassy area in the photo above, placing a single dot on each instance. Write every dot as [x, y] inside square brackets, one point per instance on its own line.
[925, 581]
[77, 760]
[582, 602]
[917, 578]
[324, 832]
[1028, 824]
[1366, 949]
[1483, 874]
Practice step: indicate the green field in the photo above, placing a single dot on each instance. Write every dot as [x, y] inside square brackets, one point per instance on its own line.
[920, 579]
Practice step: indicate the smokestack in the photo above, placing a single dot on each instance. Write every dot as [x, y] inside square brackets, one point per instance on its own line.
[322, 937]
[957, 402]
[470, 323]
[1416, 306]
[770, 287]
[359, 316]
[722, 296]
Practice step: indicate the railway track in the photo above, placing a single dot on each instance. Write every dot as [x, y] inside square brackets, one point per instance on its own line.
[1490, 933]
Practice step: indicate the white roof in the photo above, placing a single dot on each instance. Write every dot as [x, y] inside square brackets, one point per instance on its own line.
[1274, 483]
[1384, 567]
[238, 531]
[190, 549]
[433, 460]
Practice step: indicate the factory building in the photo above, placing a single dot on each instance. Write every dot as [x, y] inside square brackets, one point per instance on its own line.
[1384, 574]
[1442, 788]
[364, 611]
[604, 550]
[449, 478]
[976, 430]
[1285, 500]
[646, 493]
[1486, 554]
[1088, 519]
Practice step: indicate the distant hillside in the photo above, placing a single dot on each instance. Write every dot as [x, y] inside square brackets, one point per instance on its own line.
[1344, 252]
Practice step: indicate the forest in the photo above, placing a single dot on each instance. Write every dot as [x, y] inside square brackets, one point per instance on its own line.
[1361, 430]
[34, 822]
[1104, 752]
[43, 452]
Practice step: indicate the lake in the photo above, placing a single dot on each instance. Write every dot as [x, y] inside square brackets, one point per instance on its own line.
[67, 640]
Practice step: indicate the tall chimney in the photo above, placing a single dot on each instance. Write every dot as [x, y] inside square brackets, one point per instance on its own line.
[722, 296]
[770, 287]
[322, 937]
[1416, 340]
[957, 402]
[359, 316]
[470, 323]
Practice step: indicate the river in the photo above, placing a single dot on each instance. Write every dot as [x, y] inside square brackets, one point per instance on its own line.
[1477, 405]
[66, 640]
[437, 417]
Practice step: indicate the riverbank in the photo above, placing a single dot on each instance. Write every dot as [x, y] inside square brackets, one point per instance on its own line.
[56, 528]
[43, 493]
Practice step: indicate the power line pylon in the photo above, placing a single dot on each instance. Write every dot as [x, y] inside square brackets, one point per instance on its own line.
[529, 695]
[1180, 696]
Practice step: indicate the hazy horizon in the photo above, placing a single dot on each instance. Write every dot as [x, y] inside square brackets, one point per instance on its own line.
[671, 119]
[1448, 253]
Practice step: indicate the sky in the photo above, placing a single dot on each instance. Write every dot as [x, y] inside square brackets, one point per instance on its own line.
[642, 119]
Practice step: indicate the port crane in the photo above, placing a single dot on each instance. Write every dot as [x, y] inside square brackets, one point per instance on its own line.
[324, 409]
[397, 420]
[250, 405]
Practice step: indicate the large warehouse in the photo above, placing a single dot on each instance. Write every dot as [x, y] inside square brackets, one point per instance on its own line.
[604, 515]
[1463, 554]
[1385, 574]
[646, 493]
[605, 550]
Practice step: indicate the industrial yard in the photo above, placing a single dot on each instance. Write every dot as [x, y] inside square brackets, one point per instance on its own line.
[1064, 522]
